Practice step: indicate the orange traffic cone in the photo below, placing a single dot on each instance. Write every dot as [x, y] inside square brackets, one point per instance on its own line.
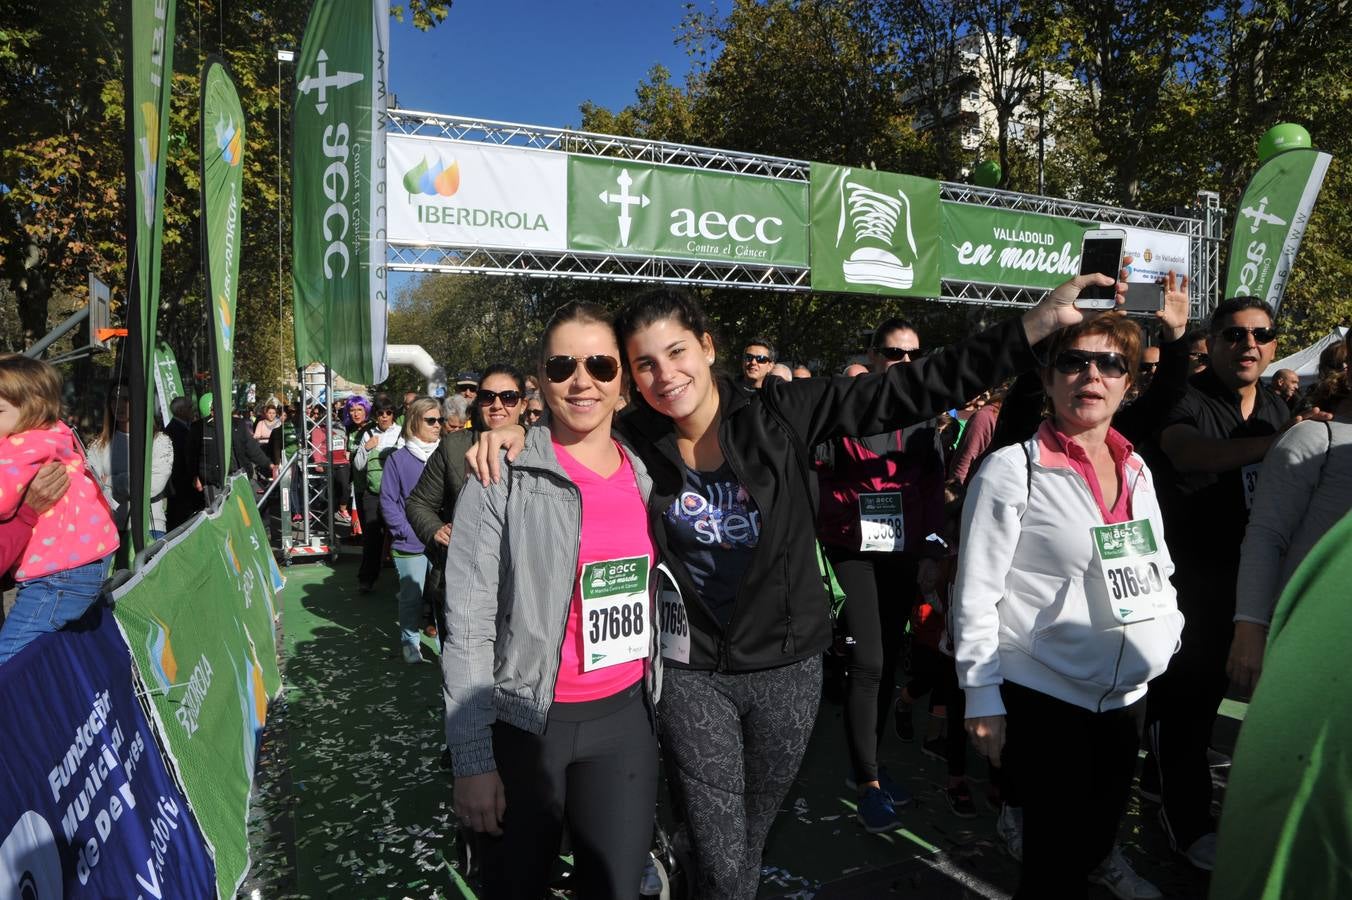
[356, 522]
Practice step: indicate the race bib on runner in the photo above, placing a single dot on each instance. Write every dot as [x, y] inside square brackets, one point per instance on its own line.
[1248, 478]
[672, 619]
[881, 528]
[614, 612]
[1129, 558]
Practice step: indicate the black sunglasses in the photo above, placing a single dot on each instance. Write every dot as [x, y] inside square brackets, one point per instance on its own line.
[385, 412]
[897, 354]
[534, 414]
[756, 358]
[1149, 366]
[508, 398]
[1199, 357]
[432, 420]
[1073, 362]
[559, 369]
[1236, 333]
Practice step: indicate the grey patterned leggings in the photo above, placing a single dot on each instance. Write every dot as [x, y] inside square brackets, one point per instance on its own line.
[735, 742]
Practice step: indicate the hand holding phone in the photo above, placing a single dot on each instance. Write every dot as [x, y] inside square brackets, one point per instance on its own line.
[1101, 253]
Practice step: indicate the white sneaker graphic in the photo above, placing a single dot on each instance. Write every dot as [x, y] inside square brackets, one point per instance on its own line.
[874, 217]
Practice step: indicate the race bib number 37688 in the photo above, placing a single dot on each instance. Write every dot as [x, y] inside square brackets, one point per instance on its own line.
[615, 627]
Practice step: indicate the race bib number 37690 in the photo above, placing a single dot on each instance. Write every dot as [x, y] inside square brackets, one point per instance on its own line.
[1132, 576]
[615, 627]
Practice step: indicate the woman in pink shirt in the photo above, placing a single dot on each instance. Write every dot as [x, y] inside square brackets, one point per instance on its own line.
[550, 640]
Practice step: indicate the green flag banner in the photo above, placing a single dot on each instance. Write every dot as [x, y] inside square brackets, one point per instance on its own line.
[150, 75]
[168, 382]
[622, 206]
[986, 245]
[1273, 215]
[199, 619]
[338, 189]
[874, 232]
[222, 189]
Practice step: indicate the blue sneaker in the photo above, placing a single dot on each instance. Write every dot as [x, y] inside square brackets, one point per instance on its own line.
[898, 795]
[876, 813]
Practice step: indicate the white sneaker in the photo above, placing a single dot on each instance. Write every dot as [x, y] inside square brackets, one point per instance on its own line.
[1009, 829]
[1118, 877]
[1202, 853]
[413, 654]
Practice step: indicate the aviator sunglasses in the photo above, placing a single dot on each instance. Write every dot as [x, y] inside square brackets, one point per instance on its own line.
[559, 369]
[1073, 362]
[897, 354]
[1236, 333]
[508, 398]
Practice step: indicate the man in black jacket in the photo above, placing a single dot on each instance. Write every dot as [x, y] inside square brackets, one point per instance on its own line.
[183, 499]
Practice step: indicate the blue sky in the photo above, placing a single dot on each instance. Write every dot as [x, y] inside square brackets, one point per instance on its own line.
[535, 61]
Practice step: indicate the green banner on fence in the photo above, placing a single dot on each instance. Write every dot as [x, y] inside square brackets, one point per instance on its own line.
[986, 245]
[874, 232]
[626, 207]
[199, 619]
[222, 191]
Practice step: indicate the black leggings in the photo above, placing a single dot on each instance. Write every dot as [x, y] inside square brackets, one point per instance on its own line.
[935, 673]
[879, 592]
[595, 767]
[736, 741]
[372, 539]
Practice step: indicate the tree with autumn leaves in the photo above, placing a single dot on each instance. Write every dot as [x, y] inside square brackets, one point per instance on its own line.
[62, 169]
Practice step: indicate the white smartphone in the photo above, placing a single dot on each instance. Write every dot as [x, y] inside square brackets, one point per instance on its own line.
[1101, 251]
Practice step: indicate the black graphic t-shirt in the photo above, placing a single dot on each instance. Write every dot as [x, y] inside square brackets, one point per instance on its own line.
[713, 526]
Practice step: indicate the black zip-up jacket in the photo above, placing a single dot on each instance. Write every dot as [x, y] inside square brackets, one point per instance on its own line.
[780, 615]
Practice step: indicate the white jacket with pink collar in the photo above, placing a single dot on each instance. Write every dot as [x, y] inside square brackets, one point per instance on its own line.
[1033, 603]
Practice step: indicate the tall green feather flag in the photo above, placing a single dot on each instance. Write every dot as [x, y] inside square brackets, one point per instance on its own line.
[338, 189]
[222, 190]
[1270, 223]
[150, 75]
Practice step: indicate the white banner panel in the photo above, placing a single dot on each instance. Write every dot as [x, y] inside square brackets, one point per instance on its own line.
[461, 194]
[1154, 254]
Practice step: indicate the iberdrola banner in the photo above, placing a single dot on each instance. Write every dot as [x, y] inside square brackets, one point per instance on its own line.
[338, 189]
[222, 191]
[1273, 215]
[168, 381]
[199, 618]
[150, 75]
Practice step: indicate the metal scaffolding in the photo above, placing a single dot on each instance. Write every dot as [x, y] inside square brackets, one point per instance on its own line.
[1203, 228]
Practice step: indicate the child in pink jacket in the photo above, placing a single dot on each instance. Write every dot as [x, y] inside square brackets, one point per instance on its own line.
[65, 562]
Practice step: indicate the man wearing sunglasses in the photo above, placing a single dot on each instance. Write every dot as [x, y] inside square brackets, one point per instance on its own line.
[1214, 440]
[758, 358]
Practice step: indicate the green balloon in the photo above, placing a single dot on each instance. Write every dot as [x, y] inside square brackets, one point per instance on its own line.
[1286, 136]
[987, 173]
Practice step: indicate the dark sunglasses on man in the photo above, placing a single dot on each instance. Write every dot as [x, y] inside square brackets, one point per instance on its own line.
[1148, 368]
[760, 358]
[1073, 362]
[1238, 333]
[897, 354]
[559, 369]
[509, 398]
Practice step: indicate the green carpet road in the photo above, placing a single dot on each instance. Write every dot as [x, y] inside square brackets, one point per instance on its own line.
[351, 800]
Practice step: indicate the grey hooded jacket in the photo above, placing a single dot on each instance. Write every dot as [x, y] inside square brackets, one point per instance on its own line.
[510, 571]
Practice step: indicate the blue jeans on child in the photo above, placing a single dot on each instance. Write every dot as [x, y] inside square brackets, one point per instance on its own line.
[46, 604]
[412, 571]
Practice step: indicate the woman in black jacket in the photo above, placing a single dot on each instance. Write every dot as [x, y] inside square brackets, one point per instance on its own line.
[732, 510]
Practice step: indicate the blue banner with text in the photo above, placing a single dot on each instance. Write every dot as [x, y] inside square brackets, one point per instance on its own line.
[88, 807]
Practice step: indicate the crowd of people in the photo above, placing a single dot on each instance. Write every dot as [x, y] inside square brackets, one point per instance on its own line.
[1068, 524]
